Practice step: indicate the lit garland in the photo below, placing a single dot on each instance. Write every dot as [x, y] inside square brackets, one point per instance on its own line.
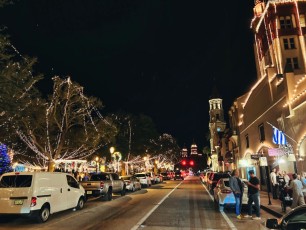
[296, 97]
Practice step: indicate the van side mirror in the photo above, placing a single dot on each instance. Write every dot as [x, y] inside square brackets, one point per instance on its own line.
[272, 224]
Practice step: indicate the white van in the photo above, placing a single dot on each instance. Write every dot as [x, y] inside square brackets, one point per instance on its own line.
[39, 194]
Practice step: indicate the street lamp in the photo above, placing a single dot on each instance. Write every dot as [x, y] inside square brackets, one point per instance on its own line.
[112, 150]
[97, 162]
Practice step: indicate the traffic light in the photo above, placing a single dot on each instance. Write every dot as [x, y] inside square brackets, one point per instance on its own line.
[191, 163]
[184, 162]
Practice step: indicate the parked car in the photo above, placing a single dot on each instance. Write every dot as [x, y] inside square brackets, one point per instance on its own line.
[223, 194]
[158, 178]
[293, 220]
[178, 176]
[213, 180]
[206, 177]
[202, 176]
[165, 176]
[171, 174]
[144, 179]
[104, 184]
[131, 182]
[151, 176]
[39, 194]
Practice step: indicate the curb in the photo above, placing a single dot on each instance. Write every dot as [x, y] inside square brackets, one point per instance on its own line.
[271, 211]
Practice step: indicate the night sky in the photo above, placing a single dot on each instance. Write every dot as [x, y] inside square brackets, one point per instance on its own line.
[153, 57]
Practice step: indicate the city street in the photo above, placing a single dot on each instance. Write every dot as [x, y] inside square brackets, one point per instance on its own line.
[169, 205]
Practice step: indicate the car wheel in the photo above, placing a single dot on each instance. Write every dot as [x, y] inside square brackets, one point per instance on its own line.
[81, 203]
[44, 214]
[123, 192]
[109, 195]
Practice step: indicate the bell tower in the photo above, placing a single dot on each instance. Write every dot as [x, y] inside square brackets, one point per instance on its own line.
[217, 126]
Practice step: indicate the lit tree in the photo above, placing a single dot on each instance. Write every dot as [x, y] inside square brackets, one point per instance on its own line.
[166, 148]
[18, 97]
[73, 127]
[5, 161]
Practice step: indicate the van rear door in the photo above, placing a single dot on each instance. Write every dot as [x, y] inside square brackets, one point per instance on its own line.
[15, 193]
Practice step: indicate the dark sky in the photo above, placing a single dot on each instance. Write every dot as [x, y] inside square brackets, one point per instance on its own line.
[153, 57]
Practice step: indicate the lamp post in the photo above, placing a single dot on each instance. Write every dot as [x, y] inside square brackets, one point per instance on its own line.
[97, 163]
[112, 150]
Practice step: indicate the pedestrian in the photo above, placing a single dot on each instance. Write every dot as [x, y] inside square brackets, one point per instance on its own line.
[297, 191]
[236, 186]
[274, 183]
[286, 178]
[86, 177]
[253, 195]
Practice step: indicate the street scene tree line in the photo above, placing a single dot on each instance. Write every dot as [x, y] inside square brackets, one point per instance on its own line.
[66, 124]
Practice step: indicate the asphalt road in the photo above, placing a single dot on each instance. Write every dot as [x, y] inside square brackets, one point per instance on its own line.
[169, 205]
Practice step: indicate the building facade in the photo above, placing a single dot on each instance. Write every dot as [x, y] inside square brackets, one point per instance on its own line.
[277, 99]
[217, 126]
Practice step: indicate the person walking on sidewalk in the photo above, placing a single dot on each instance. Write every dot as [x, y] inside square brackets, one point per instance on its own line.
[297, 191]
[253, 195]
[236, 186]
[274, 183]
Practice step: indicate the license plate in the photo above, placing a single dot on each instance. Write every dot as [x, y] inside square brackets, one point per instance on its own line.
[18, 202]
[89, 192]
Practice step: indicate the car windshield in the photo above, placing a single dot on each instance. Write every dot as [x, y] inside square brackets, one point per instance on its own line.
[140, 175]
[16, 181]
[218, 176]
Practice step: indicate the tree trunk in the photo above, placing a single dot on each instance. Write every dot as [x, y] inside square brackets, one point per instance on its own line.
[51, 166]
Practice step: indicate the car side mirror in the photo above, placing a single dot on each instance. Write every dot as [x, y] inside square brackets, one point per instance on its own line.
[272, 224]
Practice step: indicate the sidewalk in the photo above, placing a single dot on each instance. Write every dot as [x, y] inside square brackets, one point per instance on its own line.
[274, 208]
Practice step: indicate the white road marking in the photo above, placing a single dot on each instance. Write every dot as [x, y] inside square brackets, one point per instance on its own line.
[139, 224]
[228, 221]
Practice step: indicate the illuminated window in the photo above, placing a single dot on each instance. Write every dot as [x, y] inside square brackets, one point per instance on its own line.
[302, 20]
[261, 130]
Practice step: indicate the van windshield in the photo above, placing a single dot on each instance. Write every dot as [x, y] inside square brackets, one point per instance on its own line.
[16, 181]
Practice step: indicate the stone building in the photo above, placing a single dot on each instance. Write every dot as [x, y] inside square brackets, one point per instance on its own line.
[277, 99]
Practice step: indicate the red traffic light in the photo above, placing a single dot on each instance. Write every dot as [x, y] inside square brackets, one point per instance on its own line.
[183, 162]
[191, 163]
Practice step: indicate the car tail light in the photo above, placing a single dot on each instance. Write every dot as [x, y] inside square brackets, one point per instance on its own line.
[101, 184]
[226, 191]
[33, 201]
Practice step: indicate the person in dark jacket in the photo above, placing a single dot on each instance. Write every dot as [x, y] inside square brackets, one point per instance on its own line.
[235, 184]
[253, 195]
